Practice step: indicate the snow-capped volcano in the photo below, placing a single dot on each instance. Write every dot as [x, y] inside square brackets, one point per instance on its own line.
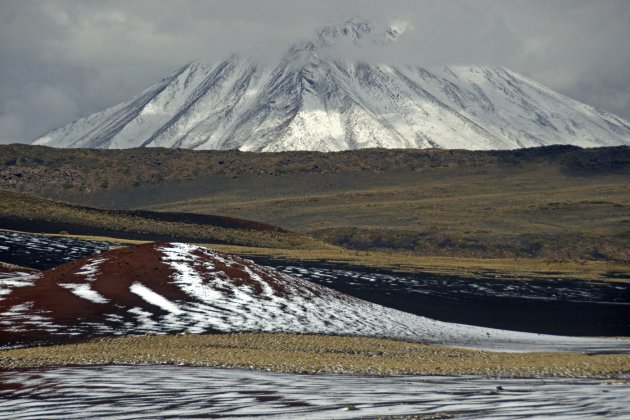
[313, 101]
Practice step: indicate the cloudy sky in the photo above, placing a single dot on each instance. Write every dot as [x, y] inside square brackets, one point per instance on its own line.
[63, 59]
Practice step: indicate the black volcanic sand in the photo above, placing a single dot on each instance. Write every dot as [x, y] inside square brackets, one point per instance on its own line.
[44, 252]
[564, 307]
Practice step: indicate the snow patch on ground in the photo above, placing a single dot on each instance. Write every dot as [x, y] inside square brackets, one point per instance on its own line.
[12, 280]
[155, 298]
[308, 308]
[90, 269]
[43, 252]
[194, 392]
[84, 291]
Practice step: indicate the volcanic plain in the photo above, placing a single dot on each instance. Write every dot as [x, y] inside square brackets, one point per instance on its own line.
[556, 214]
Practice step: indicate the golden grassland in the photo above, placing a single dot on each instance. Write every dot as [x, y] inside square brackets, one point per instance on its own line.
[44, 211]
[495, 200]
[537, 211]
[499, 268]
[121, 241]
[557, 202]
[314, 354]
[4, 266]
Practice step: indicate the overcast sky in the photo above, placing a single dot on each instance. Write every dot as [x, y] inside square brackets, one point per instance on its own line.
[61, 60]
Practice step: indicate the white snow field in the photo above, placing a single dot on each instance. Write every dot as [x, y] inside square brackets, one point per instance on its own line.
[149, 392]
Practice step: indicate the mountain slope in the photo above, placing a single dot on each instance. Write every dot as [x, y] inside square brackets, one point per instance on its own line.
[313, 101]
[175, 287]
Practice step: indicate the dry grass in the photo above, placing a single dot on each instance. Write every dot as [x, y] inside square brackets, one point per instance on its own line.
[537, 211]
[4, 266]
[83, 237]
[40, 213]
[554, 203]
[315, 354]
[499, 268]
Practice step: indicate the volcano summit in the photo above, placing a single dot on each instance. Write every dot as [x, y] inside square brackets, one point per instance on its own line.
[313, 100]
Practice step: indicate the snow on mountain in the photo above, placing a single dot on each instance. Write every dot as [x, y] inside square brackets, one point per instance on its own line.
[310, 101]
[175, 287]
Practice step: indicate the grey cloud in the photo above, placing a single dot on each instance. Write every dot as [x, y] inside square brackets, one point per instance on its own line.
[64, 59]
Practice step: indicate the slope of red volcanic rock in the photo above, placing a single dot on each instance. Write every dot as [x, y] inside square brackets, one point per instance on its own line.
[162, 288]
[99, 290]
